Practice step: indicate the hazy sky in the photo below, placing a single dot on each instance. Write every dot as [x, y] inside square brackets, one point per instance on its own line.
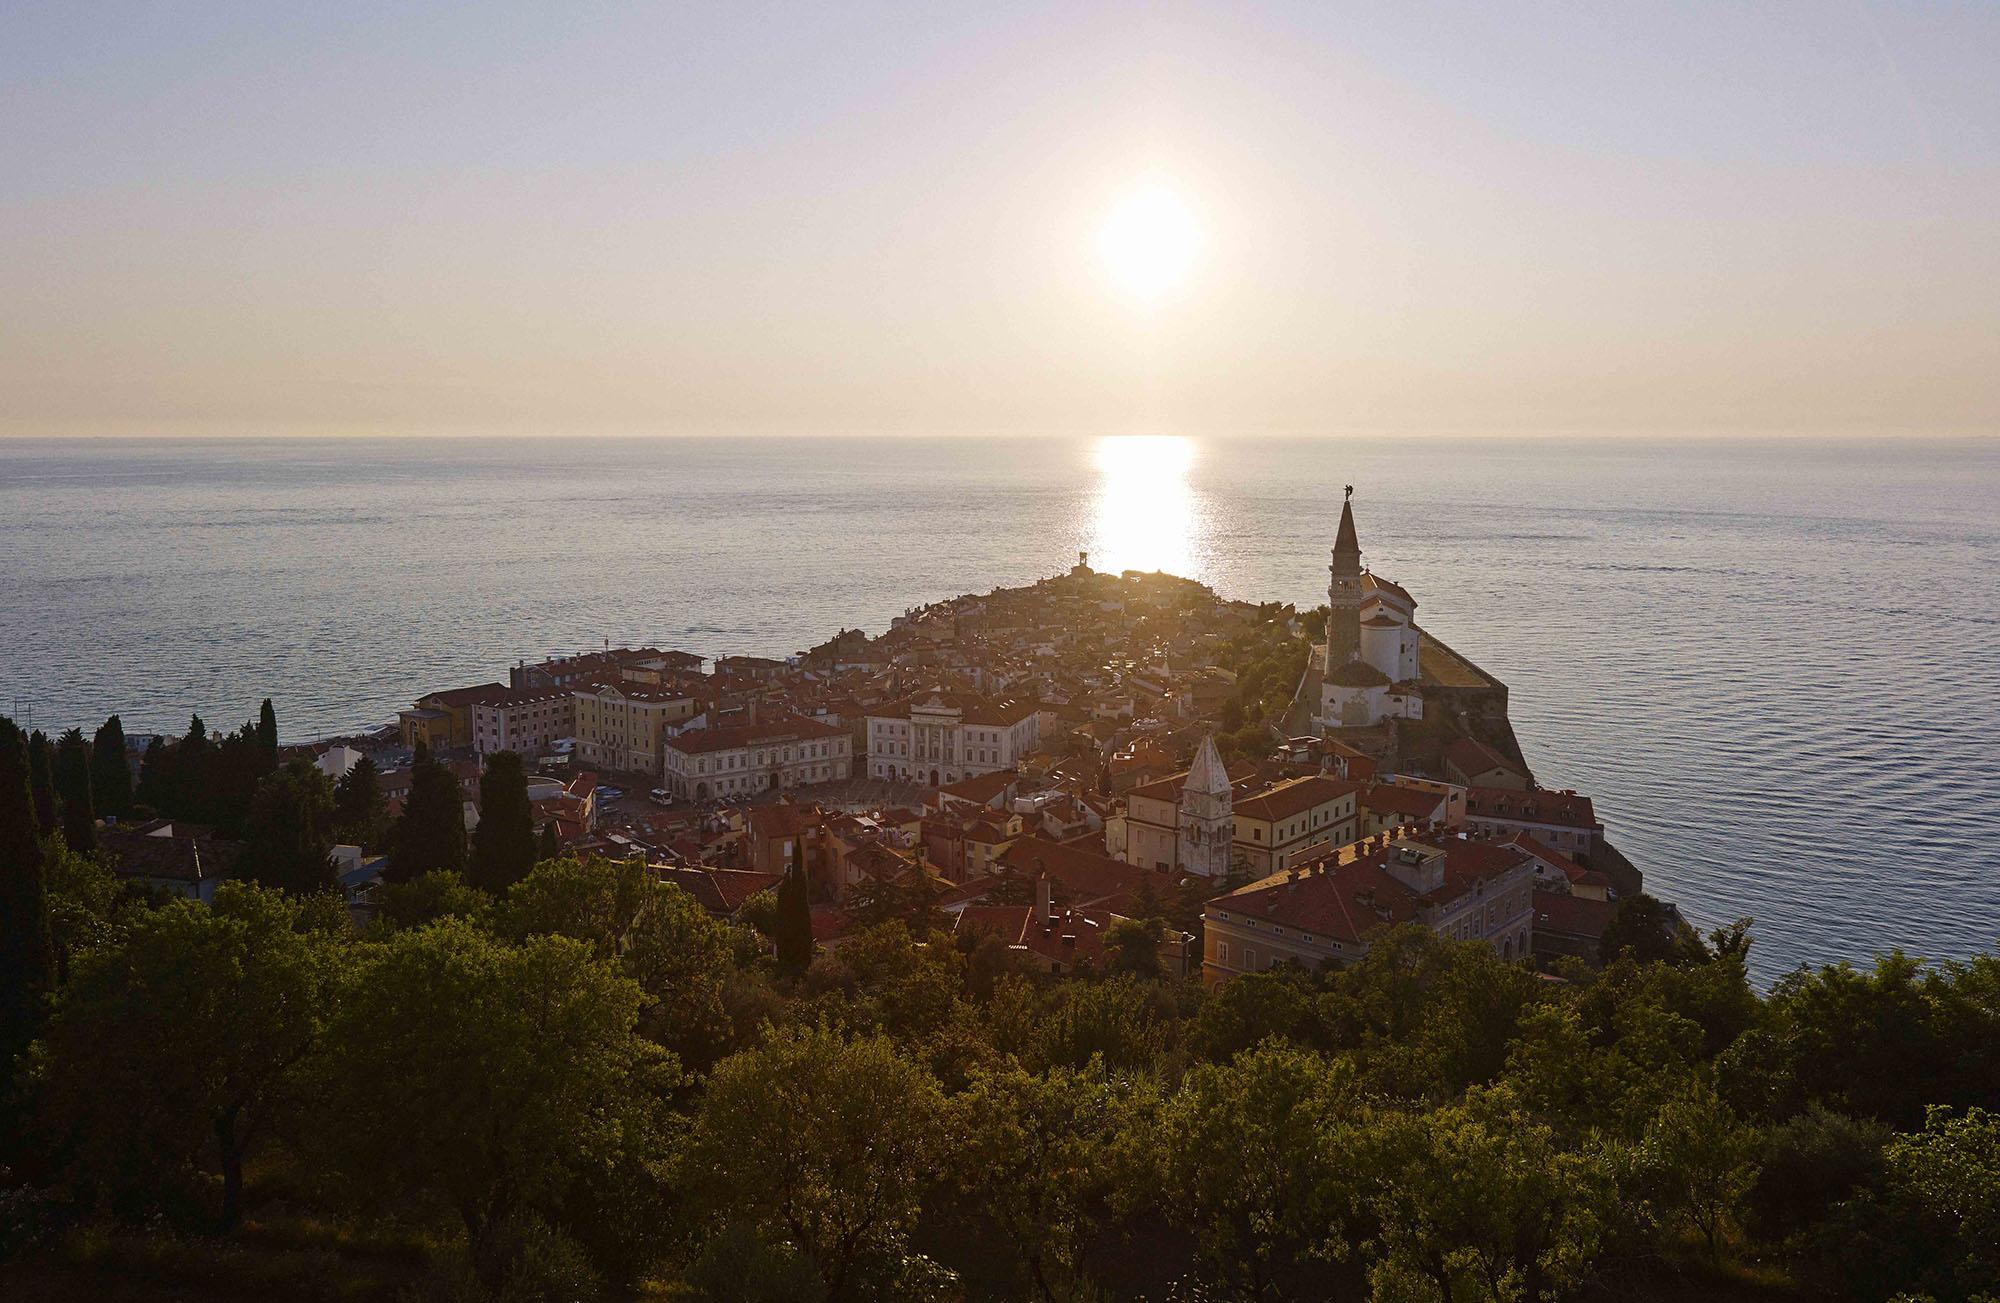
[221, 218]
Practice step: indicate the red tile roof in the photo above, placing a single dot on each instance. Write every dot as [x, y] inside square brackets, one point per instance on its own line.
[784, 728]
[1348, 901]
[1563, 809]
[1294, 796]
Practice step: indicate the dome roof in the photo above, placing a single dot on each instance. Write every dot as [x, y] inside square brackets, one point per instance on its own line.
[1358, 674]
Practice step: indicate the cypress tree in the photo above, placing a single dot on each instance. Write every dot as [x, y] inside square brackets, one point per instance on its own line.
[549, 846]
[110, 775]
[235, 768]
[190, 796]
[794, 926]
[431, 834]
[503, 845]
[42, 781]
[156, 776]
[79, 812]
[289, 833]
[26, 956]
[357, 805]
[267, 735]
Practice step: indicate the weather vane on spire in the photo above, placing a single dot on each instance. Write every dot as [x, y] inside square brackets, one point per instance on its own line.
[1350, 490]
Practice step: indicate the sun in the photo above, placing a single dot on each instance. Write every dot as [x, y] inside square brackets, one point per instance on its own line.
[1150, 240]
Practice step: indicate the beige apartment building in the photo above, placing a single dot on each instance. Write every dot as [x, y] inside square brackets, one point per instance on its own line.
[1294, 821]
[623, 726]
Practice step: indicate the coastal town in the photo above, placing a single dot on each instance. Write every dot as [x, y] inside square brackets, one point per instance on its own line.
[1258, 785]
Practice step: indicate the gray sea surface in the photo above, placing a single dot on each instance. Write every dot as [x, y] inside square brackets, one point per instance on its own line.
[1772, 663]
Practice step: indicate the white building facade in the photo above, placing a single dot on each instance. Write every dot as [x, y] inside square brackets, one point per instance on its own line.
[939, 738]
[790, 751]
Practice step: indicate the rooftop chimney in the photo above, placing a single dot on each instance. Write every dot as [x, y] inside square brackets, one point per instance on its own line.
[1045, 905]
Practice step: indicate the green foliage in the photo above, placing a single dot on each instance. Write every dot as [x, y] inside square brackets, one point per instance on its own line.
[288, 836]
[1045, 1157]
[27, 958]
[503, 845]
[401, 906]
[1646, 929]
[793, 924]
[1254, 1161]
[922, 1114]
[78, 811]
[1951, 1170]
[1479, 1200]
[42, 782]
[87, 905]
[173, 1051]
[513, 1071]
[430, 835]
[653, 932]
[110, 775]
[267, 737]
[360, 817]
[822, 1147]
[1698, 1160]
[1279, 1003]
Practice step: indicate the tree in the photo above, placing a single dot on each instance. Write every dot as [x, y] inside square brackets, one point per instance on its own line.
[192, 795]
[1477, 1200]
[1039, 1154]
[174, 1052]
[1253, 1008]
[110, 775]
[1701, 1161]
[26, 958]
[430, 837]
[358, 810]
[823, 1148]
[267, 736]
[42, 780]
[503, 845]
[235, 769]
[1252, 1160]
[1646, 928]
[794, 922]
[548, 845]
[1951, 1169]
[654, 932]
[494, 1076]
[1134, 948]
[86, 905]
[156, 778]
[72, 779]
[288, 837]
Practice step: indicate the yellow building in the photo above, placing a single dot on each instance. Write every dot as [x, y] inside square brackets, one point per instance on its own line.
[623, 726]
[443, 720]
[1294, 821]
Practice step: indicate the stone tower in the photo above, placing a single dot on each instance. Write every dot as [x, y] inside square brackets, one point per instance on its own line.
[1206, 830]
[1343, 592]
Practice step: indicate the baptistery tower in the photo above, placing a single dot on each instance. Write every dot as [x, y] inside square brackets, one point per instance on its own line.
[1206, 831]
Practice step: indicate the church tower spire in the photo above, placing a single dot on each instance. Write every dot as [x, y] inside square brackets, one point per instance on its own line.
[1343, 591]
[1206, 831]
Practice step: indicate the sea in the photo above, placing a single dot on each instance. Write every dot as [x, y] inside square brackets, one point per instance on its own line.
[1773, 663]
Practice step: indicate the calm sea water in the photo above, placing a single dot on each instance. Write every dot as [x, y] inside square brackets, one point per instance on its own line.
[1773, 664]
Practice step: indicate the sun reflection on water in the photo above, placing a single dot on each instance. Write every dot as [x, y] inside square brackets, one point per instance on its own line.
[1146, 514]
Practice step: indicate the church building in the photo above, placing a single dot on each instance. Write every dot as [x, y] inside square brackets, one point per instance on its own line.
[1371, 670]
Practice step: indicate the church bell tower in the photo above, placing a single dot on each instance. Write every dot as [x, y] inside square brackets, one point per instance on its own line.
[1343, 591]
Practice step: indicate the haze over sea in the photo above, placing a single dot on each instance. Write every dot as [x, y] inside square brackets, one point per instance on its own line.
[1772, 663]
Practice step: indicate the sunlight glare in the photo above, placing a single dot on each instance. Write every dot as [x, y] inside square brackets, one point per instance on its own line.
[1149, 241]
[1145, 515]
